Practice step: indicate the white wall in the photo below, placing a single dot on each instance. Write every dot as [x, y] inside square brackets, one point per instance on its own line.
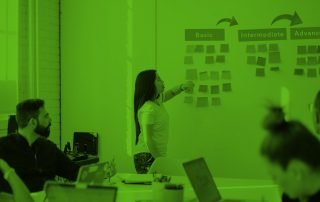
[96, 84]
[94, 74]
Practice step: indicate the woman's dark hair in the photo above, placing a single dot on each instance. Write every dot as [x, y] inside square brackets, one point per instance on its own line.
[144, 90]
[26, 110]
[289, 140]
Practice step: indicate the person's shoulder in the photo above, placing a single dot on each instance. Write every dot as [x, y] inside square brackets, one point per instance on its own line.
[148, 106]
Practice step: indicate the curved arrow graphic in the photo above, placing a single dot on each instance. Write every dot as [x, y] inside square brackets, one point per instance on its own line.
[295, 19]
[232, 21]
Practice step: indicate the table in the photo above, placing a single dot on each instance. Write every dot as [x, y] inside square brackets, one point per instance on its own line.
[248, 189]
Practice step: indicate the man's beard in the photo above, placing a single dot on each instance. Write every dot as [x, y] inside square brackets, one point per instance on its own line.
[43, 131]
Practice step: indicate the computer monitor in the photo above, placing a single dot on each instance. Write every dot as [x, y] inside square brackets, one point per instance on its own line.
[85, 142]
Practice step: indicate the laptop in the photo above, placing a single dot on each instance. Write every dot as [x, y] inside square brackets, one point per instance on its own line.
[202, 182]
[92, 174]
[61, 192]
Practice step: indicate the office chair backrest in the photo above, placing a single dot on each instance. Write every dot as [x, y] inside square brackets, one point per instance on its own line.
[12, 125]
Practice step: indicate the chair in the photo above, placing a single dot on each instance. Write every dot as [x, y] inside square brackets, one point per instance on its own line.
[12, 125]
[167, 166]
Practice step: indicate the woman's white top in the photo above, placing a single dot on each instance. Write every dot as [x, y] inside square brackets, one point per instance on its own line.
[156, 115]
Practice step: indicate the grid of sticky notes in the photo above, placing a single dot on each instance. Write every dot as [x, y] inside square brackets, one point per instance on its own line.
[308, 61]
[264, 57]
[210, 86]
[205, 66]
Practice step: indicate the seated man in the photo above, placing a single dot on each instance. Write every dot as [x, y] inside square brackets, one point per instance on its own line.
[34, 158]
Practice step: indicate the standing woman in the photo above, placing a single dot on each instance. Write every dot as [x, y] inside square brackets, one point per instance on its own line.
[151, 118]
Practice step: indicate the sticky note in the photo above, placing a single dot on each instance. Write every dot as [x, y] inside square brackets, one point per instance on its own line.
[312, 60]
[209, 60]
[262, 48]
[302, 49]
[203, 88]
[188, 100]
[301, 61]
[318, 59]
[260, 72]
[188, 60]
[312, 49]
[202, 102]
[226, 75]
[224, 48]
[215, 89]
[214, 75]
[312, 73]
[215, 101]
[210, 49]
[190, 49]
[261, 61]
[251, 60]
[199, 49]
[220, 59]
[273, 47]
[318, 49]
[204, 75]
[226, 87]
[191, 74]
[275, 69]
[298, 71]
[251, 49]
[274, 57]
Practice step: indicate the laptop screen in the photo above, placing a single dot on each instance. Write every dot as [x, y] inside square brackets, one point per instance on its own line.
[201, 180]
[93, 173]
[66, 192]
